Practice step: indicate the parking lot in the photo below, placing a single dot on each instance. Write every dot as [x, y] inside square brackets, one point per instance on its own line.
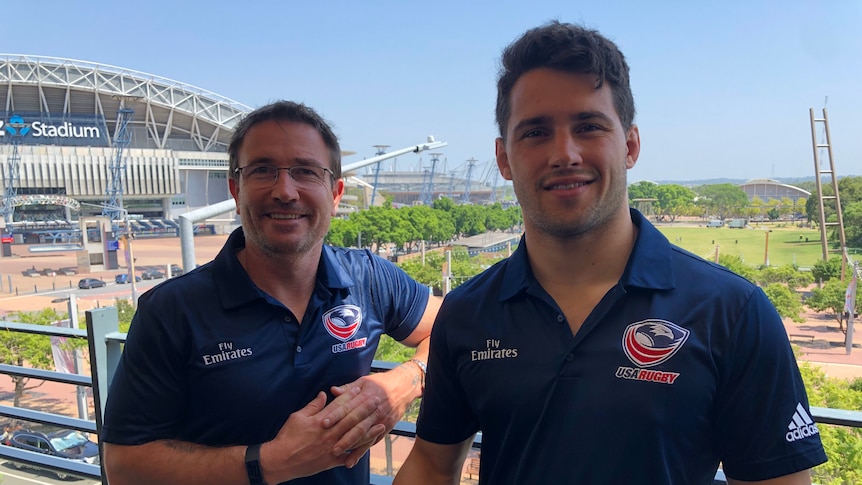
[39, 290]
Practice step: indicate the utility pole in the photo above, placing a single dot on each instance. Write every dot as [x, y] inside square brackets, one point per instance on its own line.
[465, 198]
[435, 157]
[129, 236]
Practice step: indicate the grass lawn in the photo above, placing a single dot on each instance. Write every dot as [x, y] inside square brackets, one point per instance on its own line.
[787, 245]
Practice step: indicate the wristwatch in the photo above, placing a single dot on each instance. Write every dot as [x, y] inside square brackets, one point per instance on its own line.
[252, 465]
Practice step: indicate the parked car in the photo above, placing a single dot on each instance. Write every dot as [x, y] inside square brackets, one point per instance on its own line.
[123, 278]
[176, 270]
[152, 274]
[87, 283]
[66, 443]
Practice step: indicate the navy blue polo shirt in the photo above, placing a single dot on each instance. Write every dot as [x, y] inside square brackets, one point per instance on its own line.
[681, 365]
[212, 359]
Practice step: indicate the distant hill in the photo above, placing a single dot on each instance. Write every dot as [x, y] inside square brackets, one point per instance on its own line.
[783, 180]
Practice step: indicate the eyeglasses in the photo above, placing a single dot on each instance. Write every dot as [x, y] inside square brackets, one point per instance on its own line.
[302, 175]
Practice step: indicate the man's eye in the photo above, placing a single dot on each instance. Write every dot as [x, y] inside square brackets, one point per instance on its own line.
[304, 172]
[261, 170]
[533, 133]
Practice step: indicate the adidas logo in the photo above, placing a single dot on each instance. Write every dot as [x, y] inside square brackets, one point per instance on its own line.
[801, 426]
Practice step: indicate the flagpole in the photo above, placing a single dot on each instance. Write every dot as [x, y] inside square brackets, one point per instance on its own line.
[851, 307]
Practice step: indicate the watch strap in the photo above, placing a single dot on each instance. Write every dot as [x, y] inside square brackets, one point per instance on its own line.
[252, 465]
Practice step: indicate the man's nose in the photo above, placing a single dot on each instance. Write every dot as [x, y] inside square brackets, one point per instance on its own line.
[566, 150]
[284, 187]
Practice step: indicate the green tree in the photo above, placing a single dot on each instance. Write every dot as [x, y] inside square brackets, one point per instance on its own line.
[674, 200]
[443, 204]
[831, 298]
[343, 232]
[469, 220]
[852, 223]
[787, 274]
[125, 313]
[18, 348]
[756, 207]
[849, 191]
[723, 200]
[735, 264]
[787, 302]
[826, 270]
[843, 444]
[643, 190]
[496, 219]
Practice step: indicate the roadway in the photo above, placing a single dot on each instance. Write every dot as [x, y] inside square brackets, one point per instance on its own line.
[30, 476]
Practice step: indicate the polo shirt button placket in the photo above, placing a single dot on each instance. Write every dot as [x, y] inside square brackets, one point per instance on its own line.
[288, 319]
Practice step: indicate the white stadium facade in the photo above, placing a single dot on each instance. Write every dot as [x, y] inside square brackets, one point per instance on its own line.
[60, 120]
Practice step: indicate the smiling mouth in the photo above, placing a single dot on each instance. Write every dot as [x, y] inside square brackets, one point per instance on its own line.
[567, 186]
[285, 216]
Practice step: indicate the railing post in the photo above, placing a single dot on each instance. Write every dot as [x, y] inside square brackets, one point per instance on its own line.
[104, 356]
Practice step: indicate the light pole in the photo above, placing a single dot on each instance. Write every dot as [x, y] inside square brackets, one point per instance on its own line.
[128, 236]
[131, 255]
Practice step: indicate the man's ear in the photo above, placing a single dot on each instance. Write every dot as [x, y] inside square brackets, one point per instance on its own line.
[633, 145]
[337, 193]
[502, 158]
[233, 185]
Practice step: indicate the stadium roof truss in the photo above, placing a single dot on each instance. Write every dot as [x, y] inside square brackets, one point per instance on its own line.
[167, 108]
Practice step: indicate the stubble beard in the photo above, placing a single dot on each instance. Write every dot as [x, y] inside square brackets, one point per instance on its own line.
[572, 225]
[281, 251]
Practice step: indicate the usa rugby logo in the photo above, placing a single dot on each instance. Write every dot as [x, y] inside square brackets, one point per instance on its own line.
[651, 342]
[343, 321]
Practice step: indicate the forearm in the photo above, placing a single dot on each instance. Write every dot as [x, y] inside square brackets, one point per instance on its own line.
[433, 464]
[415, 471]
[174, 462]
[799, 478]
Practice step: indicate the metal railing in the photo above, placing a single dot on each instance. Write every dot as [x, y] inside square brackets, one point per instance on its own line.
[105, 345]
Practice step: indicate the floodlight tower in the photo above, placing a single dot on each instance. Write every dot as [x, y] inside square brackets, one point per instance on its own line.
[381, 149]
[470, 164]
[113, 208]
[452, 185]
[17, 129]
[425, 187]
[429, 194]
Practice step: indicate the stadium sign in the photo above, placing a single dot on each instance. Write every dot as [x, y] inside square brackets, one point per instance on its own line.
[79, 130]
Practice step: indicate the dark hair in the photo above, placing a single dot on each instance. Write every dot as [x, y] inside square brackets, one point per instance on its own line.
[569, 48]
[285, 111]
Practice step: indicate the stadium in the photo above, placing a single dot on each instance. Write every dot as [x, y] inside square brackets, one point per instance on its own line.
[76, 136]
[80, 139]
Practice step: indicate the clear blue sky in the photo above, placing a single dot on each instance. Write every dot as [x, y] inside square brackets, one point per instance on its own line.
[722, 89]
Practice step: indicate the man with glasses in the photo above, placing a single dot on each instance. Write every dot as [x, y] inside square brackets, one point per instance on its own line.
[225, 373]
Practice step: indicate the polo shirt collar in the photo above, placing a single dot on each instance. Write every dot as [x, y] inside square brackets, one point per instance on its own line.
[649, 265]
[235, 288]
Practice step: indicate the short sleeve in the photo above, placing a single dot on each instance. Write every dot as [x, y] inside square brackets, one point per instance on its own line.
[402, 299]
[148, 393]
[762, 400]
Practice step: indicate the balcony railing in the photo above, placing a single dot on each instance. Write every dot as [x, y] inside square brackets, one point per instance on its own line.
[105, 346]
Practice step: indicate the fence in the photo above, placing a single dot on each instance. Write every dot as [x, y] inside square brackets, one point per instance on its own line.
[105, 346]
